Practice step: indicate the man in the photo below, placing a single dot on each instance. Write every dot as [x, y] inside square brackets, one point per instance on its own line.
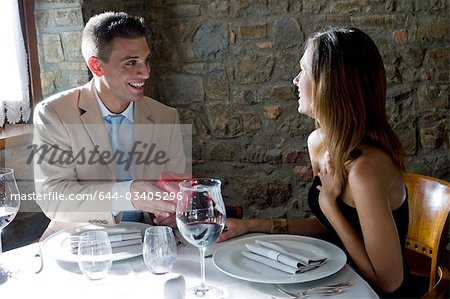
[90, 142]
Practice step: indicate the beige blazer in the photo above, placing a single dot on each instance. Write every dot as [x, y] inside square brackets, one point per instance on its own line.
[70, 123]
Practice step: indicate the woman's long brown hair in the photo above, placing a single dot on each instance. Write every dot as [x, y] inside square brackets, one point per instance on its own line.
[349, 95]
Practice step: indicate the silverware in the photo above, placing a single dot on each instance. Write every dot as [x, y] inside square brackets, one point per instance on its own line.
[38, 260]
[322, 290]
[307, 293]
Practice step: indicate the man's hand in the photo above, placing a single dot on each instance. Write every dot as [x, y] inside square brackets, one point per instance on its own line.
[169, 221]
[148, 198]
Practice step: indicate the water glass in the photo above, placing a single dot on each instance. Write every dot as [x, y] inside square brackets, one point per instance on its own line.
[159, 250]
[94, 254]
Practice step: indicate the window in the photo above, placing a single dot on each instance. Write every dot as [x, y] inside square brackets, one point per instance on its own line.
[19, 75]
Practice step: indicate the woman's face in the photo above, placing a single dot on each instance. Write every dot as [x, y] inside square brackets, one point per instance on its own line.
[303, 81]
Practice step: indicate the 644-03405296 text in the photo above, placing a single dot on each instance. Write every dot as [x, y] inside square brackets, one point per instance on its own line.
[98, 195]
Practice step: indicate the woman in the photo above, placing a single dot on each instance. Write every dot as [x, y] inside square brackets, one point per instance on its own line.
[358, 196]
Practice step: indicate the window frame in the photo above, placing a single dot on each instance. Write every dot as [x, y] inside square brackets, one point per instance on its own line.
[22, 133]
[27, 19]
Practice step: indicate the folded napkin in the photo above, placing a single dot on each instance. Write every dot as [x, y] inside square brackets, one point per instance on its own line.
[118, 238]
[275, 256]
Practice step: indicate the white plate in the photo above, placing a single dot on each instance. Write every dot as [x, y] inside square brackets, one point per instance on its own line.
[229, 260]
[56, 245]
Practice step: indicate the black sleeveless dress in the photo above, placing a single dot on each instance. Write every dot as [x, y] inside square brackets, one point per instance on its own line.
[400, 215]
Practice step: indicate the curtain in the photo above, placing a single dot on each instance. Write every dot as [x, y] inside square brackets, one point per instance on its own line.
[14, 88]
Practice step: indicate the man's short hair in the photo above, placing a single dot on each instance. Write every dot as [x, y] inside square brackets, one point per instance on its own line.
[101, 29]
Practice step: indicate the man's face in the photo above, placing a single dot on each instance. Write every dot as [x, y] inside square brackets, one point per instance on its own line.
[124, 75]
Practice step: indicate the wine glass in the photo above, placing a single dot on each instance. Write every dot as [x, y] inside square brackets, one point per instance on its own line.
[160, 249]
[9, 206]
[94, 254]
[200, 217]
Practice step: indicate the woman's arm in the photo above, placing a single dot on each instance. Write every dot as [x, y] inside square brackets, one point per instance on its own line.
[237, 227]
[378, 253]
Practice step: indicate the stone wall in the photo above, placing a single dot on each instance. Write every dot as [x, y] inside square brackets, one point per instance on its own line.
[227, 65]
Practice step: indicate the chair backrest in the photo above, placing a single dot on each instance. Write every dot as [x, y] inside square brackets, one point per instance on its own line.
[429, 206]
[440, 290]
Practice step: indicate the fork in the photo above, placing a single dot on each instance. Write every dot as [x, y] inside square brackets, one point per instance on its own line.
[307, 293]
[341, 286]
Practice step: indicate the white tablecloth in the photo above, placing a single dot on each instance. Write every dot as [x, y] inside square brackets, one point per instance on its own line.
[131, 279]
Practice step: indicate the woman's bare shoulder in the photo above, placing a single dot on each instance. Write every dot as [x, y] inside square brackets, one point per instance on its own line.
[314, 140]
[374, 170]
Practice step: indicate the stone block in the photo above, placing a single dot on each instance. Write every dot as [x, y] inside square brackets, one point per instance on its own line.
[265, 45]
[278, 191]
[182, 11]
[134, 7]
[52, 48]
[413, 56]
[273, 156]
[71, 42]
[194, 68]
[41, 19]
[286, 33]
[251, 122]
[435, 137]
[245, 8]
[222, 151]
[73, 66]
[311, 7]
[59, 1]
[69, 17]
[295, 156]
[303, 173]
[400, 36]
[272, 112]
[431, 27]
[253, 31]
[296, 126]
[255, 192]
[280, 93]
[438, 57]
[216, 86]
[425, 74]
[254, 68]
[387, 21]
[219, 8]
[222, 120]
[346, 6]
[182, 89]
[77, 79]
[48, 82]
[433, 97]
[408, 139]
[210, 42]
[254, 154]
[246, 97]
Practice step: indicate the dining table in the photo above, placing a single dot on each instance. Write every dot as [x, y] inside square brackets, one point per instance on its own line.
[33, 277]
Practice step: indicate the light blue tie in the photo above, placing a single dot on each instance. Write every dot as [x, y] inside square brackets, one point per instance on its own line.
[121, 173]
[115, 120]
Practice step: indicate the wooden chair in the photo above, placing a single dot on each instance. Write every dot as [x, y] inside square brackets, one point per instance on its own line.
[440, 290]
[429, 206]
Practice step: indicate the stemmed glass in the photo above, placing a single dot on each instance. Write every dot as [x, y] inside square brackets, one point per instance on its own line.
[200, 217]
[9, 206]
